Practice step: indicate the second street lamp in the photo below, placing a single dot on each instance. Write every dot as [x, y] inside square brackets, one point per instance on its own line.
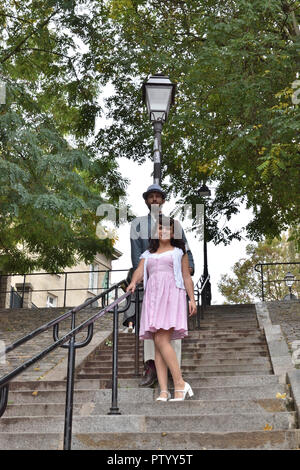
[158, 95]
[204, 191]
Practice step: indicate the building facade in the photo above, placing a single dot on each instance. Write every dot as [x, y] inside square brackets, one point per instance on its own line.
[67, 289]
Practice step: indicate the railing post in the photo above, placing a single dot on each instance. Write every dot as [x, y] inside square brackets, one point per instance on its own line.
[114, 410]
[198, 311]
[70, 390]
[3, 398]
[137, 329]
[262, 282]
[65, 291]
[23, 292]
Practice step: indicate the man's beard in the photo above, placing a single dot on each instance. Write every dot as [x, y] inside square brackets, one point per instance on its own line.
[155, 210]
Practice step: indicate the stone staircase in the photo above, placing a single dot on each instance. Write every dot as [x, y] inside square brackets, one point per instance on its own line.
[238, 402]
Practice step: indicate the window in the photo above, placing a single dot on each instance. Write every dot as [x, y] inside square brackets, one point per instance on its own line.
[105, 282]
[51, 301]
[93, 278]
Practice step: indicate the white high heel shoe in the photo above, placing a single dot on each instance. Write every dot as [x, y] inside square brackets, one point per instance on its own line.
[187, 389]
[164, 399]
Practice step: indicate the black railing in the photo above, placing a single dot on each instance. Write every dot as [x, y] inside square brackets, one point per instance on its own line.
[260, 271]
[200, 290]
[72, 346]
[17, 297]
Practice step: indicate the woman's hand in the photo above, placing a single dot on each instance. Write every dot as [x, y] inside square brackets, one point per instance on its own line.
[131, 287]
[192, 307]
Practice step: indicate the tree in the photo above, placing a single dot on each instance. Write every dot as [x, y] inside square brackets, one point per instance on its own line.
[235, 123]
[52, 178]
[245, 287]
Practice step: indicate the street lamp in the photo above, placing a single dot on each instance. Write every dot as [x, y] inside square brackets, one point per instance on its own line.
[289, 280]
[204, 191]
[158, 95]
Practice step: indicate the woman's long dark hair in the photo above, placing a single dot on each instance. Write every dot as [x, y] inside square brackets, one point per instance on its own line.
[165, 222]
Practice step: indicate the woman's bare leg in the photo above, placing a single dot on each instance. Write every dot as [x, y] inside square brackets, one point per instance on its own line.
[162, 341]
[161, 371]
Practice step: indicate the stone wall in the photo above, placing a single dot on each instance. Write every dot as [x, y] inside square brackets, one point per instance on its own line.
[17, 323]
[287, 315]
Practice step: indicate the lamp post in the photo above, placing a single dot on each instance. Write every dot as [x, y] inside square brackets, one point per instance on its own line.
[158, 95]
[206, 294]
[289, 280]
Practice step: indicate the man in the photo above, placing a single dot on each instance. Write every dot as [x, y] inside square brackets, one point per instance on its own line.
[140, 231]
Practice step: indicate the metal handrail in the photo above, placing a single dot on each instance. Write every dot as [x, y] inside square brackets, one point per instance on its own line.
[65, 289]
[198, 290]
[262, 274]
[72, 346]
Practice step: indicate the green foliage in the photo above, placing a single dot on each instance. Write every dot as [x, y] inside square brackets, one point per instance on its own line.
[234, 123]
[52, 175]
[245, 287]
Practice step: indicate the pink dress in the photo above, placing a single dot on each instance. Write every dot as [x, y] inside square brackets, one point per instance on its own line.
[164, 304]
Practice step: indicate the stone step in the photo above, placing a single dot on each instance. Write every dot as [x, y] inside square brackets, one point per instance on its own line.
[215, 422]
[234, 320]
[226, 367]
[229, 365]
[225, 333]
[81, 396]
[147, 394]
[203, 373]
[186, 407]
[189, 348]
[185, 355]
[245, 313]
[197, 345]
[52, 385]
[223, 355]
[249, 346]
[228, 326]
[198, 341]
[95, 384]
[224, 360]
[106, 375]
[252, 440]
[209, 337]
[124, 363]
[208, 329]
[195, 381]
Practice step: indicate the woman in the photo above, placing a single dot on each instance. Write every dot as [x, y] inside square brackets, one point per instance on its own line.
[164, 310]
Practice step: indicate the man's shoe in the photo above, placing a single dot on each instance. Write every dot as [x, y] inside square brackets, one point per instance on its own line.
[150, 377]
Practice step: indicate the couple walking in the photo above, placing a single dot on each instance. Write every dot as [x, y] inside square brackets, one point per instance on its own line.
[164, 269]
